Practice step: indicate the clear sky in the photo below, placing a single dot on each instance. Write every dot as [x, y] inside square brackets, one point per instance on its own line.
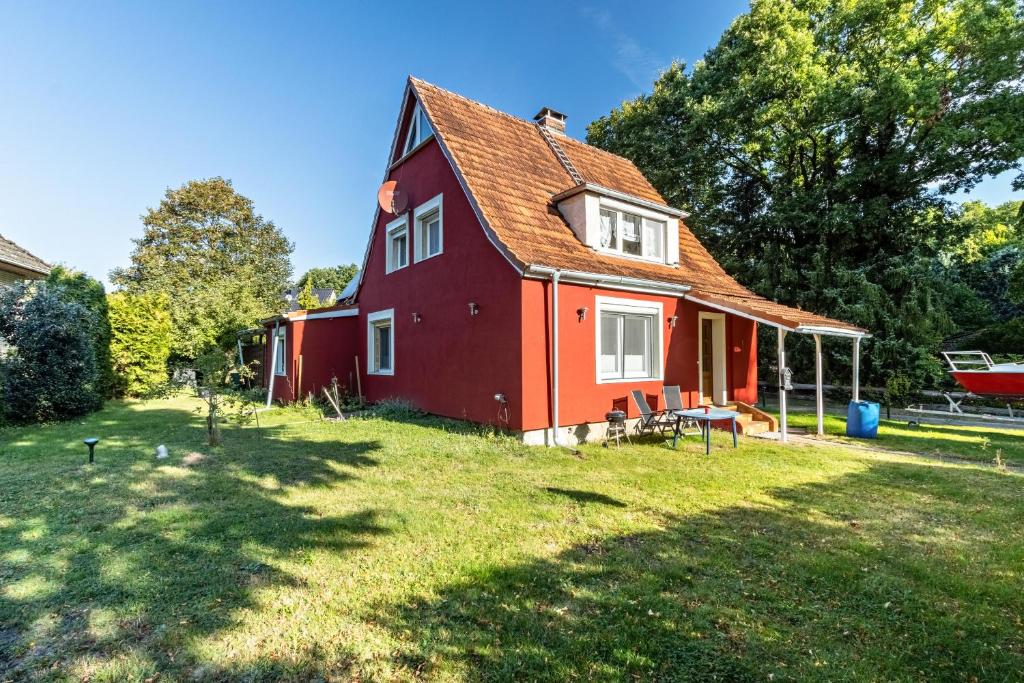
[105, 105]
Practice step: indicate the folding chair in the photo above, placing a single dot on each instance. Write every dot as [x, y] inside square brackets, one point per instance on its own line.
[650, 420]
[674, 401]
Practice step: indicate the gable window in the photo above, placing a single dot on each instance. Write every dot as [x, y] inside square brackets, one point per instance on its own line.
[429, 233]
[632, 235]
[629, 338]
[397, 244]
[279, 367]
[380, 340]
[419, 130]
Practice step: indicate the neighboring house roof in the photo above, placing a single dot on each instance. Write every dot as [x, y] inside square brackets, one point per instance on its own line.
[20, 260]
[511, 174]
[324, 295]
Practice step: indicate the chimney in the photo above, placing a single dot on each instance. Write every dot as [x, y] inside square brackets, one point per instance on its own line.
[553, 120]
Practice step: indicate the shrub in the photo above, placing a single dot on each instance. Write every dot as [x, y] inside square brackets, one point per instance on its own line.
[78, 287]
[140, 341]
[50, 370]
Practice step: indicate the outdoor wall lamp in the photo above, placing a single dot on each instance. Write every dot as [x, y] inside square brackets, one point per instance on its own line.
[581, 313]
[672, 320]
[416, 317]
[473, 308]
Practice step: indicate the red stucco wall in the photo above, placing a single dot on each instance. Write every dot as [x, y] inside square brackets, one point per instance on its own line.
[450, 363]
[322, 348]
[581, 397]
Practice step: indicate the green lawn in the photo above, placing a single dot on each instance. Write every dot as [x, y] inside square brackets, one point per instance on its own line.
[421, 549]
[982, 444]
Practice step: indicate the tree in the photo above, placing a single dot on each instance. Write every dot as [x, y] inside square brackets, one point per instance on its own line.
[141, 341]
[73, 285]
[814, 144]
[222, 266]
[307, 299]
[49, 371]
[336, 277]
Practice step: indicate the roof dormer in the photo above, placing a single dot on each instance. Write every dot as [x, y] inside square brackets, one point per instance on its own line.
[618, 224]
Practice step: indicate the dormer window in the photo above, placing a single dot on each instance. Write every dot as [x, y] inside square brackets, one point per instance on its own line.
[632, 235]
[419, 130]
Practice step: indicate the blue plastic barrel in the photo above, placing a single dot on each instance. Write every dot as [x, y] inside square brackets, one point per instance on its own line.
[862, 419]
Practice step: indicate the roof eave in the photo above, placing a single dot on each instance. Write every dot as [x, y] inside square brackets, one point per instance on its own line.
[621, 196]
[606, 281]
[19, 269]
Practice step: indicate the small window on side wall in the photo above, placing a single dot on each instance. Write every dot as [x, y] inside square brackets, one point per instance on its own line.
[279, 358]
[397, 244]
[429, 233]
[380, 339]
[419, 130]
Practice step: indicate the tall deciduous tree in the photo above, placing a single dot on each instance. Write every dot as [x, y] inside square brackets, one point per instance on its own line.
[222, 265]
[814, 143]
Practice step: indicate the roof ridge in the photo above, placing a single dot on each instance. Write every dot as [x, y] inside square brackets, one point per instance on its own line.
[518, 119]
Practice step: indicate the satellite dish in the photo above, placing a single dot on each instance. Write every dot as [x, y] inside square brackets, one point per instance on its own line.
[391, 199]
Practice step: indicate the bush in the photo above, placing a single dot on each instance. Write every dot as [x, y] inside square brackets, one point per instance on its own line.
[50, 370]
[78, 287]
[140, 341]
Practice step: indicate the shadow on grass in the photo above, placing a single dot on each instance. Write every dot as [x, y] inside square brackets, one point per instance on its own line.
[135, 558]
[898, 572]
[586, 497]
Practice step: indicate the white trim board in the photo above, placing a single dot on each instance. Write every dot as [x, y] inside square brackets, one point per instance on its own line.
[345, 313]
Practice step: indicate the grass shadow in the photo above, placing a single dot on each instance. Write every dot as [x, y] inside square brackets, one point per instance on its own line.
[882, 574]
[136, 559]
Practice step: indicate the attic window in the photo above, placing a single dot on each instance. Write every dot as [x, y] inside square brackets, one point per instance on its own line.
[632, 235]
[419, 130]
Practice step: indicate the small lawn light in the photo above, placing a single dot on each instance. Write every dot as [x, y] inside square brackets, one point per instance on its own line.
[91, 443]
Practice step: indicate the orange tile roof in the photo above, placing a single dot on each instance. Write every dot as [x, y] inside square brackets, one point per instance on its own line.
[511, 174]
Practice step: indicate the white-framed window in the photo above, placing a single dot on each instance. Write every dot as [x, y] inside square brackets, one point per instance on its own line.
[429, 233]
[629, 336]
[419, 130]
[279, 360]
[397, 243]
[630, 233]
[380, 342]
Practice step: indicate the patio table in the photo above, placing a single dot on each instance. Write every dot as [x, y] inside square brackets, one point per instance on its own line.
[704, 418]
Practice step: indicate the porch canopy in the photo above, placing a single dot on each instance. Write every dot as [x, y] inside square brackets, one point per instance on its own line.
[787, 319]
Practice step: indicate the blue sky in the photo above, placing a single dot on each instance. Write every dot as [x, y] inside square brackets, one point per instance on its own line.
[105, 105]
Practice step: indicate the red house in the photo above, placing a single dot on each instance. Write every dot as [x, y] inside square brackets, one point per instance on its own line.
[530, 280]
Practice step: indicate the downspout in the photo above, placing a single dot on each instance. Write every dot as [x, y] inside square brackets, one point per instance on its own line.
[273, 365]
[554, 357]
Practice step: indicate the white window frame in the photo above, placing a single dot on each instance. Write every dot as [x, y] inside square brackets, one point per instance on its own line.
[620, 208]
[413, 139]
[399, 226]
[719, 379]
[425, 210]
[371, 361]
[280, 368]
[653, 309]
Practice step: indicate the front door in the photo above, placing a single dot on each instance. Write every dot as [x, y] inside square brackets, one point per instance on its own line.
[712, 358]
[707, 360]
